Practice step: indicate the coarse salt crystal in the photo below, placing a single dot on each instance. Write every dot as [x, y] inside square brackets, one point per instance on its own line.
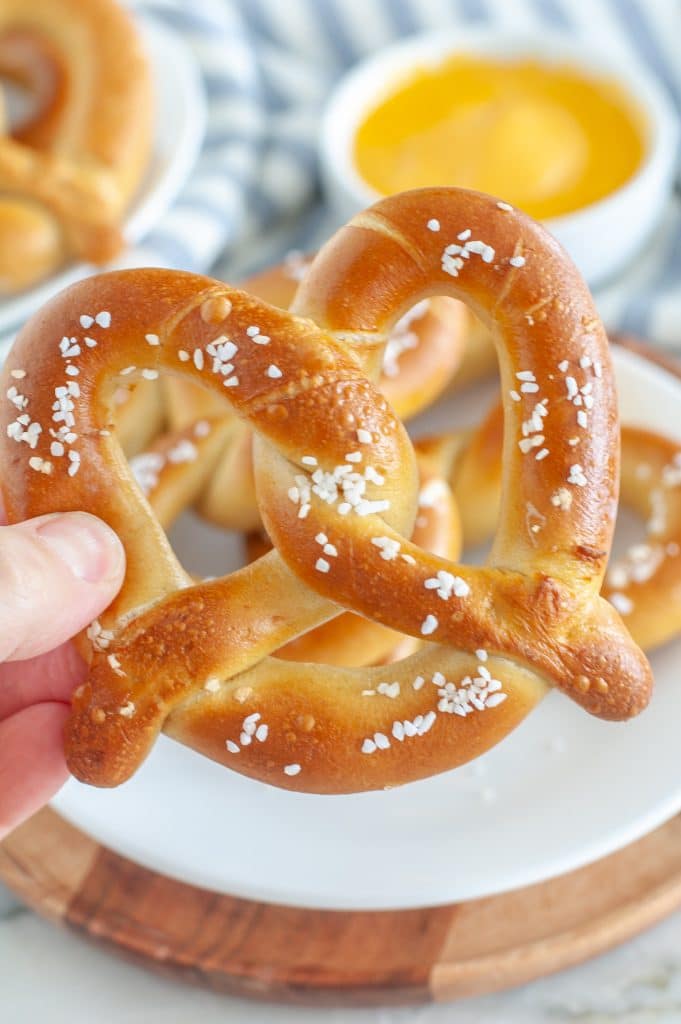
[429, 625]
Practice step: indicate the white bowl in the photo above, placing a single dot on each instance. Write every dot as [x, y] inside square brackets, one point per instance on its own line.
[601, 237]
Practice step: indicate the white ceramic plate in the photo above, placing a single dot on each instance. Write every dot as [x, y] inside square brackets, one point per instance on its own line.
[563, 790]
[178, 134]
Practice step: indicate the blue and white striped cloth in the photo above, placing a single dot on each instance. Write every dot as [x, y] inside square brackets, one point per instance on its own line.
[268, 66]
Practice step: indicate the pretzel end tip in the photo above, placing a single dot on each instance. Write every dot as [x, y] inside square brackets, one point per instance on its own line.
[613, 680]
[107, 738]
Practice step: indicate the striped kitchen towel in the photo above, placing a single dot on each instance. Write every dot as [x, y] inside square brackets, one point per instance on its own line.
[268, 66]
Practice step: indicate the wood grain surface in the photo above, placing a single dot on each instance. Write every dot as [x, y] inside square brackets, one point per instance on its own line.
[339, 957]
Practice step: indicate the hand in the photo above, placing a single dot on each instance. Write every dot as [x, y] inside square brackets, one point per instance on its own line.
[57, 573]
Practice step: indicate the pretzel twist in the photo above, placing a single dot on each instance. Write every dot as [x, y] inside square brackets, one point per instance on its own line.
[425, 349]
[68, 172]
[206, 460]
[176, 470]
[193, 659]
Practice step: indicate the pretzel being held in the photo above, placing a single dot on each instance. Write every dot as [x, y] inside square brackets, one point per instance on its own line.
[331, 458]
[69, 171]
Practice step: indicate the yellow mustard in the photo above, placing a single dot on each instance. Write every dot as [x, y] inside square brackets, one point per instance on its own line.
[546, 138]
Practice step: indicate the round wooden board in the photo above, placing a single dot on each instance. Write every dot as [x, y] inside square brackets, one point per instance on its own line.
[324, 958]
[315, 957]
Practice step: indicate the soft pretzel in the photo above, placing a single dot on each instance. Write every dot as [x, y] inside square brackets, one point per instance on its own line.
[424, 349]
[644, 584]
[353, 640]
[331, 458]
[69, 171]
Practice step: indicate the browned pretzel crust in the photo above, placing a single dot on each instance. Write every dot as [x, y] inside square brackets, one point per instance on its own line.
[332, 459]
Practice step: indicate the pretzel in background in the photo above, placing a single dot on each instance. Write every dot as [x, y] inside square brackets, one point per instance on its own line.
[644, 582]
[68, 172]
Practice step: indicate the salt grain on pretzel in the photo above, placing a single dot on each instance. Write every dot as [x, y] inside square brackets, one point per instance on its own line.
[535, 608]
[68, 172]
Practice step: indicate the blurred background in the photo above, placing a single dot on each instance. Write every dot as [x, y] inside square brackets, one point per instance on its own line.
[268, 69]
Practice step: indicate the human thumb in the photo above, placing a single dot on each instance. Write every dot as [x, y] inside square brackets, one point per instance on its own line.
[57, 573]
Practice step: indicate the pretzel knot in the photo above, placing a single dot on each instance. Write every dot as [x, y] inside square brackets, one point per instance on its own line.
[336, 487]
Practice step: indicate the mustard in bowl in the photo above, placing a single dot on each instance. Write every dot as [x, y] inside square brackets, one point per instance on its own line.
[576, 139]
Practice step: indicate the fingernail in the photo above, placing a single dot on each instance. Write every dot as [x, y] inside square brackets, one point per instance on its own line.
[90, 549]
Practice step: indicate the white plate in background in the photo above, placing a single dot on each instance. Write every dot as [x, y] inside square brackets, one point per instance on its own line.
[563, 790]
[179, 127]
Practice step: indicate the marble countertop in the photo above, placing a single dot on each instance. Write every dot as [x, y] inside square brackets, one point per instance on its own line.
[52, 977]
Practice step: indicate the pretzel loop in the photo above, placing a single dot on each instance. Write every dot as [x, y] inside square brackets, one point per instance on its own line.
[538, 598]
